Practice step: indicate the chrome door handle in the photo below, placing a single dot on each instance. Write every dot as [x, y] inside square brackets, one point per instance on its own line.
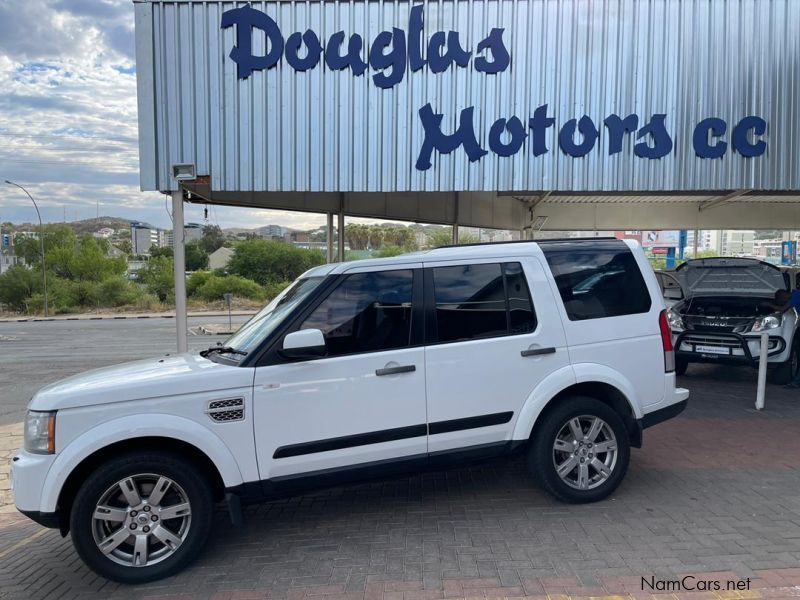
[537, 351]
[395, 370]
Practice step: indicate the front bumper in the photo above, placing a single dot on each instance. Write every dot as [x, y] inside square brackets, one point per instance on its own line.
[728, 348]
[28, 474]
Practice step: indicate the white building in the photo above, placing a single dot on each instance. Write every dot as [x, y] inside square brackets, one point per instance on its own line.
[220, 258]
[733, 242]
[143, 236]
[192, 233]
[7, 261]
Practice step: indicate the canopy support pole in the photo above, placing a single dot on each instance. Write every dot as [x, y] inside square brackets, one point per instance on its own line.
[329, 238]
[179, 253]
[340, 239]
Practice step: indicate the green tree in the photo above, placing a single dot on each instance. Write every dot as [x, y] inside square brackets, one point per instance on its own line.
[442, 236]
[157, 276]
[55, 236]
[271, 261]
[212, 239]
[125, 246]
[403, 237]
[157, 251]
[389, 250]
[196, 257]
[17, 285]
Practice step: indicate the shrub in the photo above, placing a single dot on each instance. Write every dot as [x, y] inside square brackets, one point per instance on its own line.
[389, 250]
[273, 289]
[195, 281]
[268, 261]
[117, 291]
[215, 287]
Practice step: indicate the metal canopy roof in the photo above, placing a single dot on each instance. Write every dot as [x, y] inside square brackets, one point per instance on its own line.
[737, 209]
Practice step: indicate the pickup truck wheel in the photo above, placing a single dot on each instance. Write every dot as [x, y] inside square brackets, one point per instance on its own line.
[142, 517]
[580, 452]
[681, 364]
[786, 371]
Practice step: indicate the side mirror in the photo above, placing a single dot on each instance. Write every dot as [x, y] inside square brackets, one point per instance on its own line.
[306, 343]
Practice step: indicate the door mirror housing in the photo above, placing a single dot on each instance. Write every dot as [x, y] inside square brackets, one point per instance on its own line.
[306, 343]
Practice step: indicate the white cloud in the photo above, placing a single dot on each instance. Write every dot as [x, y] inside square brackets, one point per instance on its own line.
[68, 127]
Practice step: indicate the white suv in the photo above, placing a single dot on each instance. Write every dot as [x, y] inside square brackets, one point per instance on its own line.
[557, 349]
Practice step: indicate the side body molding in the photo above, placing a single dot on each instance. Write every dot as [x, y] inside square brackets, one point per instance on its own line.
[563, 378]
[131, 427]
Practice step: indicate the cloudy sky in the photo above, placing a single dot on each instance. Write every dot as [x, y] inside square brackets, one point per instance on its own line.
[68, 118]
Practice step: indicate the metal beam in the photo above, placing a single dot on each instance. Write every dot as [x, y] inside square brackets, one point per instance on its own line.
[179, 255]
[722, 200]
[329, 239]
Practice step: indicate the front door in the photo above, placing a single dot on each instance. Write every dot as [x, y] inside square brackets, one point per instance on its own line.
[361, 405]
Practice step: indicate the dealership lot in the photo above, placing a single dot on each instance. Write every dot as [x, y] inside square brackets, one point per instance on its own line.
[713, 492]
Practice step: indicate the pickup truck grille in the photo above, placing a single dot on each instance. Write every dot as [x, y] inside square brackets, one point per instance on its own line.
[225, 411]
[721, 341]
[718, 324]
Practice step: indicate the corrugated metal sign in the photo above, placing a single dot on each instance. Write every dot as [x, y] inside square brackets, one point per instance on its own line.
[463, 95]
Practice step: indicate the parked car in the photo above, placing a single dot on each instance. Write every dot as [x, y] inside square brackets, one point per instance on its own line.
[560, 350]
[726, 305]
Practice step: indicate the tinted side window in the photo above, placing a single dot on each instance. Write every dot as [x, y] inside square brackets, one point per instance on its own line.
[521, 318]
[474, 301]
[470, 302]
[367, 312]
[596, 282]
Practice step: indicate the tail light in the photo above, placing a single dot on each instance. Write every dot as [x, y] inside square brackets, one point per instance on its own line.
[666, 342]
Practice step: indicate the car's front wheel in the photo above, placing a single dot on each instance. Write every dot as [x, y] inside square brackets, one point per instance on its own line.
[142, 516]
[580, 451]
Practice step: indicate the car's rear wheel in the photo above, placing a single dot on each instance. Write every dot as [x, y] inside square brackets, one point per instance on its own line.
[142, 517]
[580, 451]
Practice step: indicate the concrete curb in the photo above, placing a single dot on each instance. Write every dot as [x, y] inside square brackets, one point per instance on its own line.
[109, 317]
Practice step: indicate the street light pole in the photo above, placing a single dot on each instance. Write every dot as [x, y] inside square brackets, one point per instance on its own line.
[41, 240]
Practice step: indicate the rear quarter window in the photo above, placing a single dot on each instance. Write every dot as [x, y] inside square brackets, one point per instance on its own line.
[597, 280]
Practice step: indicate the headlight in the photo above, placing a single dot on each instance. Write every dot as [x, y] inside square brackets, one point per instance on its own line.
[675, 320]
[40, 432]
[765, 323]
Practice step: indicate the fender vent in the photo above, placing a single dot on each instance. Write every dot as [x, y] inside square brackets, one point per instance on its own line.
[225, 411]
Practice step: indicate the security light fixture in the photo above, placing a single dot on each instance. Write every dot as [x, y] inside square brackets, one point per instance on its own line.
[184, 172]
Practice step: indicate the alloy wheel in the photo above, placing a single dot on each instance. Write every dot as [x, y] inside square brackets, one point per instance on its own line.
[585, 452]
[141, 520]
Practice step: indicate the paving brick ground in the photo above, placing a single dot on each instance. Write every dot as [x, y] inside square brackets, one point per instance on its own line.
[714, 494]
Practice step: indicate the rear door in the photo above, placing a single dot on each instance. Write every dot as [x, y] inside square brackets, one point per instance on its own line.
[492, 333]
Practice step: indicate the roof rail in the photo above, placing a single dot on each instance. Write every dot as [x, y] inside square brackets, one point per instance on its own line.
[579, 240]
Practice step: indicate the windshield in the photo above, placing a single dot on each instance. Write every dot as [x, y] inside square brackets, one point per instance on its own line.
[256, 330]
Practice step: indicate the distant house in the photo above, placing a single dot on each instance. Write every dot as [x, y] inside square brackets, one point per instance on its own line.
[220, 258]
[104, 233]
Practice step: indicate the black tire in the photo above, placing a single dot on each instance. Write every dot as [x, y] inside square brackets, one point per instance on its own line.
[190, 484]
[681, 364]
[786, 371]
[542, 454]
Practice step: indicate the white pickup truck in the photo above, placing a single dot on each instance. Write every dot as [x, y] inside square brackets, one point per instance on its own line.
[721, 306]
